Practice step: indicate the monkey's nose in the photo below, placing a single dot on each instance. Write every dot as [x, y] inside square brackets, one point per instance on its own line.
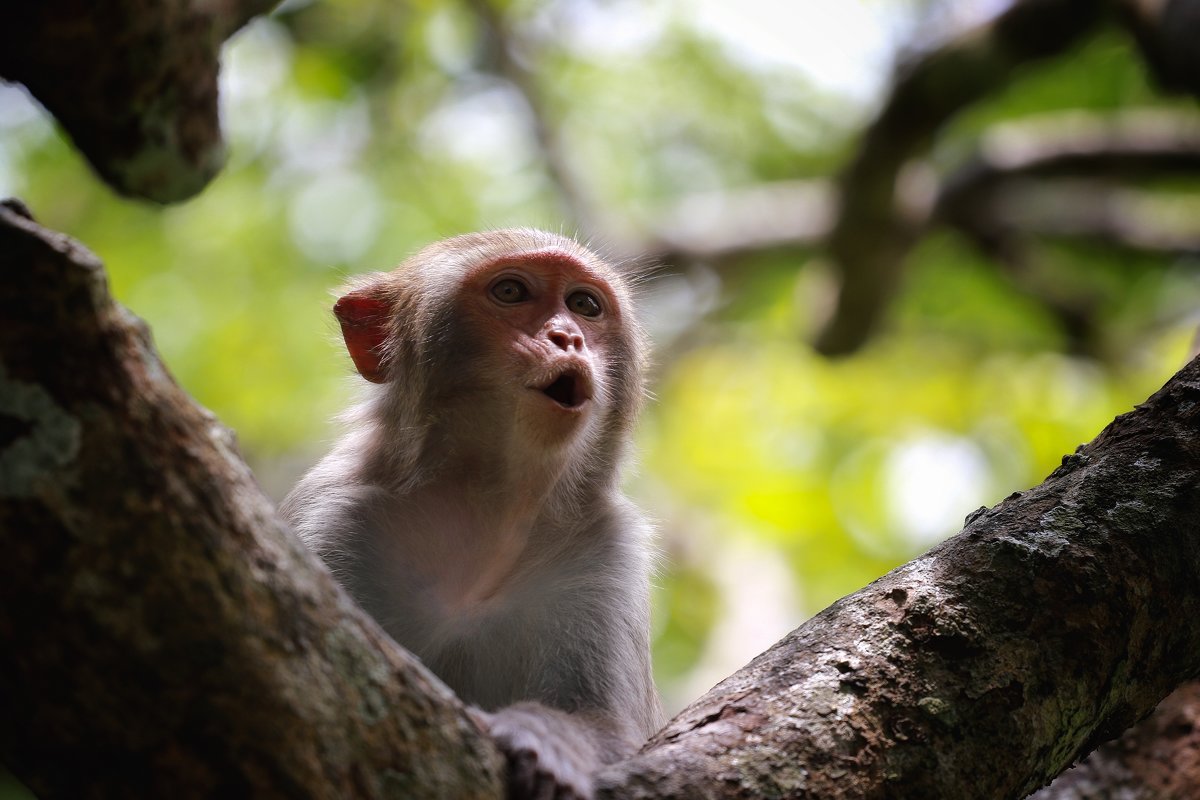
[565, 340]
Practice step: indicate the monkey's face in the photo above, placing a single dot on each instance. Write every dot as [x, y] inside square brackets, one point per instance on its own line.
[546, 322]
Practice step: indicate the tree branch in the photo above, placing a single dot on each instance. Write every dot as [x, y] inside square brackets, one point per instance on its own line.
[873, 233]
[1167, 32]
[1014, 181]
[728, 223]
[1049, 625]
[163, 634]
[133, 82]
[1124, 145]
[1131, 219]
[1014, 184]
[511, 54]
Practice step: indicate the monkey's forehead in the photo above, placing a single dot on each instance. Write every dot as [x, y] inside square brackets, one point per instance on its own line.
[547, 259]
[462, 257]
[489, 244]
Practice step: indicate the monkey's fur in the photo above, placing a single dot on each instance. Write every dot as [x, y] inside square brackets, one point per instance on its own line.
[481, 523]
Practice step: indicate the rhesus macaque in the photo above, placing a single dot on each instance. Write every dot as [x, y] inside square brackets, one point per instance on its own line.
[473, 506]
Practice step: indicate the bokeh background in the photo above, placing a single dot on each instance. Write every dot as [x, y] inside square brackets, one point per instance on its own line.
[703, 136]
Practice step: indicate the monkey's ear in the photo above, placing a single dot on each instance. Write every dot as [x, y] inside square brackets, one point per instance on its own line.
[364, 320]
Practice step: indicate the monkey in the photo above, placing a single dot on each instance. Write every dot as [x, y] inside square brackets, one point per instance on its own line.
[473, 506]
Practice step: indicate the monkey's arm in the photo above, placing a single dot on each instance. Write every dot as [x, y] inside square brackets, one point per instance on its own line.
[597, 701]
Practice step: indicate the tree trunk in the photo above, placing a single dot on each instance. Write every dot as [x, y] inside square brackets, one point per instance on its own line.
[164, 635]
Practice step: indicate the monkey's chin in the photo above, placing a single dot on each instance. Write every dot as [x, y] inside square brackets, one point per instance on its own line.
[552, 424]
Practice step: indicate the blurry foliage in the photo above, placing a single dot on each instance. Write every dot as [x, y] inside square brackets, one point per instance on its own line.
[1102, 74]
[362, 129]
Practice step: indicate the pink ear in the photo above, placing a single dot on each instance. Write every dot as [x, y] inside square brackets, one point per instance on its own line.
[364, 320]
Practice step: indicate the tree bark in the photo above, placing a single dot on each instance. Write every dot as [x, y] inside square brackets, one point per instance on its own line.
[133, 82]
[163, 634]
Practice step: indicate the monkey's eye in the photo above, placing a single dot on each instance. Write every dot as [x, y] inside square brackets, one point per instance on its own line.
[583, 303]
[510, 290]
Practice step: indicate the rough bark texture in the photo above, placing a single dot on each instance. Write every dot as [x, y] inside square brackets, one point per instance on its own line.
[1158, 759]
[163, 634]
[983, 668]
[133, 82]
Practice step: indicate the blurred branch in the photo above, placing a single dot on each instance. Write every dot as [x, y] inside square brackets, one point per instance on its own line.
[1004, 224]
[1051, 176]
[1014, 184]
[1130, 219]
[876, 223]
[514, 58]
[1055, 176]
[726, 224]
[133, 82]
[1167, 32]
[1126, 145]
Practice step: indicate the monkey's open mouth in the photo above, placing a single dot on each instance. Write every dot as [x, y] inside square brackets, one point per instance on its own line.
[568, 390]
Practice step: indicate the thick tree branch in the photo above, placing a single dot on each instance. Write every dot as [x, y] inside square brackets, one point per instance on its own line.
[1049, 625]
[134, 83]
[163, 634]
